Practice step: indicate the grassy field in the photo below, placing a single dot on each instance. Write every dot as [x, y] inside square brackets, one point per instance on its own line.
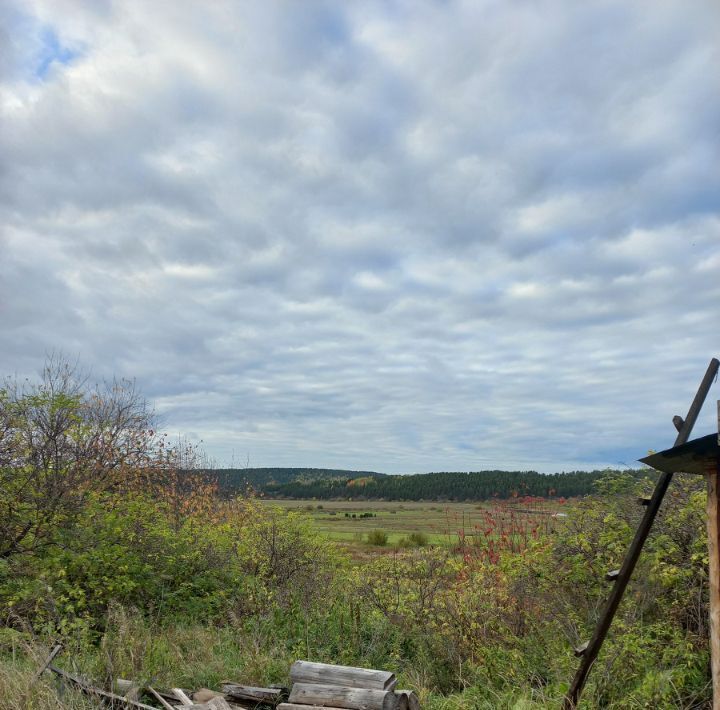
[440, 523]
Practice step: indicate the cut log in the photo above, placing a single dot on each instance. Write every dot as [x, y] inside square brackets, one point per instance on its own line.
[269, 696]
[336, 696]
[347, 676]
[296, 706]
[413, 702]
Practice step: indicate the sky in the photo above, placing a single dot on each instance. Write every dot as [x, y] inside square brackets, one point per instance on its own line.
[399, 236]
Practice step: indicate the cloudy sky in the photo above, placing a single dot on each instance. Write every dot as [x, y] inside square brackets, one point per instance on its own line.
[400, 235]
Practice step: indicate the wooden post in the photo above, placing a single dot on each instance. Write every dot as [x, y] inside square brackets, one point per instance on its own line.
[590, 650]
[713, 531]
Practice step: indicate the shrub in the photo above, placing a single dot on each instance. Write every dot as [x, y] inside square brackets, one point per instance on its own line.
[418, 539]
[377, 537]
[294, 563]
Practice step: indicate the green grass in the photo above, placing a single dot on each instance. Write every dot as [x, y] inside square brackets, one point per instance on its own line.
[440, 522]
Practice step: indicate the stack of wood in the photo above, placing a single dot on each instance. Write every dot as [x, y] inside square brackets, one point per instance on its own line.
[332, 687]
[314, 685]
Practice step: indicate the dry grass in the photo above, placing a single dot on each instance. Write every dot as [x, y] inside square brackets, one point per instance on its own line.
[132, 648]
[19, 689]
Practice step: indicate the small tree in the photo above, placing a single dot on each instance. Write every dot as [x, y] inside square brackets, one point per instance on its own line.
[60, 440]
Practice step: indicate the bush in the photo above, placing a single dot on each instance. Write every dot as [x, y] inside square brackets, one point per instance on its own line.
[418, 539]
[284, 550]
[377, 537]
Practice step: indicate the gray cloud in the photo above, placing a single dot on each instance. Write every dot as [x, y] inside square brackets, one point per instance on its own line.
[400, 236]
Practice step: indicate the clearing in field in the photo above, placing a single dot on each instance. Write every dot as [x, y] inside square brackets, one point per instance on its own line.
[357, 525]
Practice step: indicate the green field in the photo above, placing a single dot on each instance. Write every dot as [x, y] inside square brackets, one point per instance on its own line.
[441, 522]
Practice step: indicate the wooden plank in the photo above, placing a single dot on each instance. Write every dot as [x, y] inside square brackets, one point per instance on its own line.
[327, 674]
[179, 693]
[270, 696]
[115, 700]
[337, 696]
[160, 698]
[633, 553]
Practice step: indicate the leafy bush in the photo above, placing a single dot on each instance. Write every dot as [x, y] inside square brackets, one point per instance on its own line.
[418, 539]
[377, 537]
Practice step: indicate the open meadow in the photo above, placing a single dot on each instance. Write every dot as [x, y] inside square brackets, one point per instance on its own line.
[371, 527]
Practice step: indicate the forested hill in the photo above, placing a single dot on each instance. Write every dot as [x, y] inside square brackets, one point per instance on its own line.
[477, 485]
[236, 480]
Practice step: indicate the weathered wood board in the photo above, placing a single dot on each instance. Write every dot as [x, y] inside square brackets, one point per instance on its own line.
[326, 674]
[343, 697]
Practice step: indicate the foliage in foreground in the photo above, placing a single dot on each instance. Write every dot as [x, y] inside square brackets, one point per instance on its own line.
[145, 576]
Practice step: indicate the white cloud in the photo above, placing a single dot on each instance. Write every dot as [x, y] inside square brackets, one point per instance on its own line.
[402, 236]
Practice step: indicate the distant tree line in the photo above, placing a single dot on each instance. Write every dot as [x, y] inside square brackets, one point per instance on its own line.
[235, 480]
[446, 485]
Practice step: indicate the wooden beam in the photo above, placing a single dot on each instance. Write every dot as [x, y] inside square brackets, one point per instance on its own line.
[678, 422]
[179, 693]
[337, 696]
[51, 657]
[327, 674]
[713, 533]
[270, 696]
[160, 698]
